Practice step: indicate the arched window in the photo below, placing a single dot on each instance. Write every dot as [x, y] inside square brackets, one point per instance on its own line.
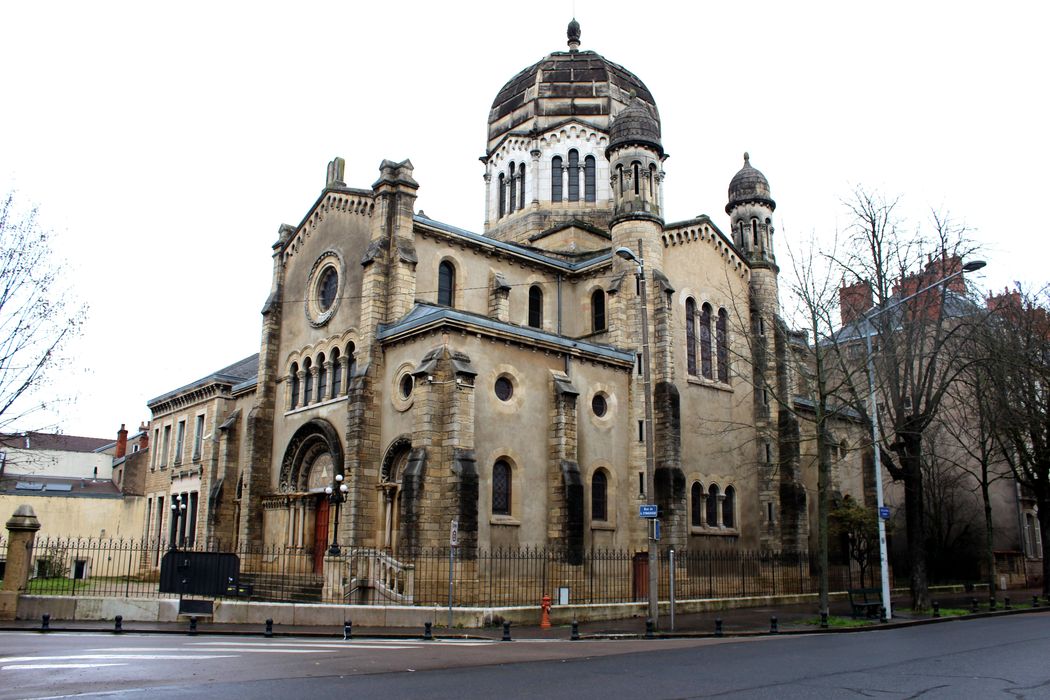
[502, 195]
[690, 335]
[598, 310]
[513, 190]
[705, 341]
[652, 183]
[556, 176]
[599, 496]
[619, 178]
[636, 169]
[293, 391]
[308, 382]
[729, 507]
[535, 306]
[351, 364]
[521, 186]
[501, 482]
[722, 347]
[754, 232]
[337, 373]
[712, 505]
[322, 378]
[446, 283]
[696, 505]
[574, 176]
[589, 193]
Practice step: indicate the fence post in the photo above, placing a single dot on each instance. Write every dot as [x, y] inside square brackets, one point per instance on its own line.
[670, 582]
[22, 527]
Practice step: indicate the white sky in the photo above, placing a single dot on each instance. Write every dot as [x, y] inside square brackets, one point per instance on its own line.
[166, 142]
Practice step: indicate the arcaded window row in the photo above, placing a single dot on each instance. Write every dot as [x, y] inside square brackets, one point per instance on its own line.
[712, 507]
[320, 378]
[698, 337]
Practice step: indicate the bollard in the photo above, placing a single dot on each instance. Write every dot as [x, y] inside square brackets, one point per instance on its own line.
[882, 614]
[774, 628]
[506, 632]
[45, 622]
[991, 602]
[193, 626]
[1035, 601]
[973, 605]
[718, 627]
[348, 629]
[648, 628]
[269, 628]
[936, 609]
[118, 624]
[823, 619]
[428, 631]
[1006, 603]
[575, 630]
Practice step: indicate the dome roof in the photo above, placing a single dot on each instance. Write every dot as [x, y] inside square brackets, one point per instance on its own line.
[749, 185]
[635, 125]
[565, 84]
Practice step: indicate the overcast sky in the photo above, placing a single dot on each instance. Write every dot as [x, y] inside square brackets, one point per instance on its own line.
[164, 143]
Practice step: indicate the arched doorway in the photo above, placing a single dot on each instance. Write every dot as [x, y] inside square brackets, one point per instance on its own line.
[389, 493]
[312, 459]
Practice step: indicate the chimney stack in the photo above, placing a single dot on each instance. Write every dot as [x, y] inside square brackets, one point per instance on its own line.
[143, 436]
[122, 441]
[854, 301]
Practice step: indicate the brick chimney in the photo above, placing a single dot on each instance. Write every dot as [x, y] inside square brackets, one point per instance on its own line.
[122, 442]
[143, 436]
[854, 301]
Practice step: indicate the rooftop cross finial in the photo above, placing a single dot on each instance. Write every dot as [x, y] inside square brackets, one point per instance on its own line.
[747, 158]
[574, 35]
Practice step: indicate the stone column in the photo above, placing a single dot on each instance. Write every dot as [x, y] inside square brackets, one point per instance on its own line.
[21, 531]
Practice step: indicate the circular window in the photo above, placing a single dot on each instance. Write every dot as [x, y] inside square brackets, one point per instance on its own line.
[599, 405]
[504, 389]
[327, 287]
[406, 385]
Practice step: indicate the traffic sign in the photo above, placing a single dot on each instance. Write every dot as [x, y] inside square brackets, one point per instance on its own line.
[647, 511]
[453, 535]
[884, 513]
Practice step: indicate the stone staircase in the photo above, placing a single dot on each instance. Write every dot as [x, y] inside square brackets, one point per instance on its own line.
[283, 588]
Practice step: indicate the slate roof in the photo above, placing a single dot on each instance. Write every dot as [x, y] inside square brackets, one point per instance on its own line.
[237, 373]
[66, 487]
[52, 441]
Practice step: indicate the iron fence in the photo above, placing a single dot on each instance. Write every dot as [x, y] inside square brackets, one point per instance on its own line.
[499, 577]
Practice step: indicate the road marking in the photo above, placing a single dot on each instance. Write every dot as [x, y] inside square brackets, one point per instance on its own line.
[130, 657]
[27, 667]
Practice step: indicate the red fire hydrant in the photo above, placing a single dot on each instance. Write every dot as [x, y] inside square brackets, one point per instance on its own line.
[545, 618]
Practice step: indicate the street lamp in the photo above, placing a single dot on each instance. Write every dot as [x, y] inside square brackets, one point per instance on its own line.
[884, 566]
[336, 496]
[178, 511]
[650, 470]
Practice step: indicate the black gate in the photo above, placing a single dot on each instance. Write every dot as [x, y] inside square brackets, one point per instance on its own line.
[200, 573]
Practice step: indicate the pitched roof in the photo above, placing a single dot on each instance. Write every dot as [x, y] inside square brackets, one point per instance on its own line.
[52, 441]
[237, 373]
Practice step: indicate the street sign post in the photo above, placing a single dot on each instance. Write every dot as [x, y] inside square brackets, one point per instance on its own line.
[884, 513]
[647, 511]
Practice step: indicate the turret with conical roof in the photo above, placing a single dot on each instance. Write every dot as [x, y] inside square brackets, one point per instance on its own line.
[750, 210]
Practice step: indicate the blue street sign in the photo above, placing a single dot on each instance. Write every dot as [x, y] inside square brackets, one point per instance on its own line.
[656, 530]
[647, 511]
[884, 513]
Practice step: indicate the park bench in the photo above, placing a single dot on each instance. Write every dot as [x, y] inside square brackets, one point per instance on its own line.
[865, 601]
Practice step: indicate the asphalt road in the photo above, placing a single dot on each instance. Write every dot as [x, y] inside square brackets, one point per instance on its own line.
[988, 658]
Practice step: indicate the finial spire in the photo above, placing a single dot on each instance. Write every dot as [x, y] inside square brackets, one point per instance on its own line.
[747, 158]
[574, 35]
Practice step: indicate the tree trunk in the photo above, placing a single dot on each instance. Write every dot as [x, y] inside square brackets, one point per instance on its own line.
[989, 551]
[1044, 531]
[915, 520]
[823, 488]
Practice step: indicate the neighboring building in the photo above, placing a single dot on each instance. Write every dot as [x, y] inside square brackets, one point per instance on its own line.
[78, 486]
[496, 379]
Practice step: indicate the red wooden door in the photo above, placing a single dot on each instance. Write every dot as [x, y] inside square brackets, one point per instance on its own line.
[320, 534]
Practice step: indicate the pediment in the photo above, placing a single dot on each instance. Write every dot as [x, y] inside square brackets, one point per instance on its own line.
[571, 237]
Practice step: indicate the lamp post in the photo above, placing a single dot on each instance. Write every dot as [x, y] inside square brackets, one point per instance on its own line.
[178, 512]
[650, 469]
[884, 566]
[336, 496]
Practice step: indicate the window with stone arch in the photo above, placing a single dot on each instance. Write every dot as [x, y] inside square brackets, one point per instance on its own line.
[535, 306]
[351, 364]
[337, 374]
[690, 336]
[521, 186]
[729, 507]
[652, 183]
[600, 496]
[636, 173]
[293, 386]
[512, 189]
[712, 505]
[501, 487]
[696, 504]
[446, 283]
[619, 179]
[502, 195]
[589, 179]
[556, 174]
[597, 310]
[322, 378]
[754, 232]
[308, 384]
[705, 341]
[574, 175]
[722, 345]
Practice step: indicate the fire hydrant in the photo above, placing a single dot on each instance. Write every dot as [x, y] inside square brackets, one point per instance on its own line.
[545, 618]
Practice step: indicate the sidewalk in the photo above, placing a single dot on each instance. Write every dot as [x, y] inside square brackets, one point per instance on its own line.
[791, 619]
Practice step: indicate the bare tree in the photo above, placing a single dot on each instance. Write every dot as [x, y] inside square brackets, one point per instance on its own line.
[1017, 368]
[36, 315]
[915, 359]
